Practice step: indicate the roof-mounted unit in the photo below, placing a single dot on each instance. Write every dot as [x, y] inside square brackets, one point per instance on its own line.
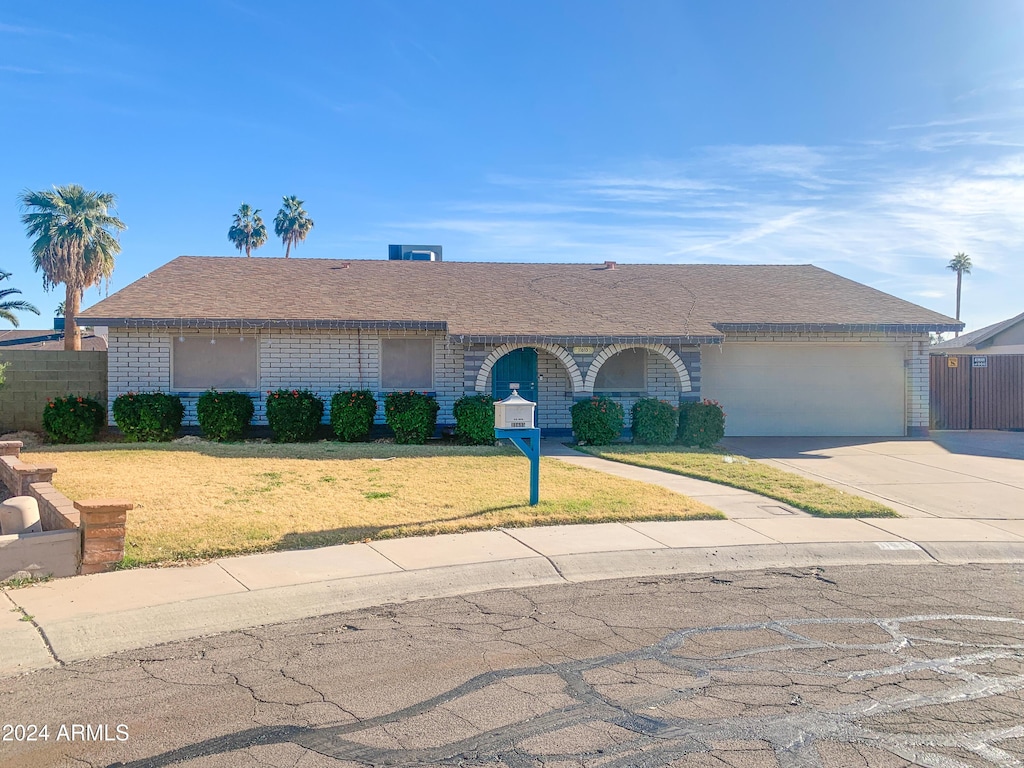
[414, 253]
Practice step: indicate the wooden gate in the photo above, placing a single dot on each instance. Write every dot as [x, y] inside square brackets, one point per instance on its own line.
[977, 392]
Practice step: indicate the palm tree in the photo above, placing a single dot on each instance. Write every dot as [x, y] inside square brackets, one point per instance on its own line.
[75, 243]
[9, 306]
[961, 264]
[247, 230]
[292, 223]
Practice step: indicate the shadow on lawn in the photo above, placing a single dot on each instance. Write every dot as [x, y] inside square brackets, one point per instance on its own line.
[318, 451]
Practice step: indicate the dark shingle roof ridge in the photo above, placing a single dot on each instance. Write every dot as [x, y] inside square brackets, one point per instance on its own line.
[493, 263]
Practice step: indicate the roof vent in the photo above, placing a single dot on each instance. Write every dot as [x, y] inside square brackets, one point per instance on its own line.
[609, 265]
[414, 253]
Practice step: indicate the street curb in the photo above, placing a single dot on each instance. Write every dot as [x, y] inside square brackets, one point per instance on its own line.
[96, 635]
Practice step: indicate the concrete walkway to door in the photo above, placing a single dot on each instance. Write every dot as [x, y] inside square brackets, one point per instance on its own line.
[977, 475]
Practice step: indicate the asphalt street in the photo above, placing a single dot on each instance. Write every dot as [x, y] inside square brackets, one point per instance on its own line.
[838, 666]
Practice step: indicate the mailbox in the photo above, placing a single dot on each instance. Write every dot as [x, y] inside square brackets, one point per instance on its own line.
[514, 412]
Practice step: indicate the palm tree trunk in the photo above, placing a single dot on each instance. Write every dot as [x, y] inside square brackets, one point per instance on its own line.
[72, 304]
[959, 279]
[288, 248]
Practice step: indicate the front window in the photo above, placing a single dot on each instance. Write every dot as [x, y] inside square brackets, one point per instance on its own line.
[624, 371]
[407, 364]
[230, 363]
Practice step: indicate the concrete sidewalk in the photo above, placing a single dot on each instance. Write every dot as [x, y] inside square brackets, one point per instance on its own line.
[734, 503]
[89, 616]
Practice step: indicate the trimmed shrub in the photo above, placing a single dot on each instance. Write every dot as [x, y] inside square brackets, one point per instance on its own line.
[597, 421]
[655, 422]
[224, 415]
[701, 424]
[412, 416]
[73, 419]
[146, 417]
[294, 415]
[352, 414]
[474, 419]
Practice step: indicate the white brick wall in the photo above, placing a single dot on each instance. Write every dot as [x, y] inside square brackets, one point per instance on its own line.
[138, 360]
[555, 393]
[325, 361]
[322, 361]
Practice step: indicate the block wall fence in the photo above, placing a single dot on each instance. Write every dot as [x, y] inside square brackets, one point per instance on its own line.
[33, 375]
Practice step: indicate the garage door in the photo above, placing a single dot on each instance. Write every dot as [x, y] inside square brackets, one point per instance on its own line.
[807, 389]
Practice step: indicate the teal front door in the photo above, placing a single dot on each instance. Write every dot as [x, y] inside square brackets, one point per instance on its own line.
[518, 367]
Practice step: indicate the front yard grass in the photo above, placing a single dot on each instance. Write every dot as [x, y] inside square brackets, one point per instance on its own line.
[812, 497]
[208, 500]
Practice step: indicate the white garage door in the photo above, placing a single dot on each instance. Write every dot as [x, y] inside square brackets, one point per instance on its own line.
[807, 389]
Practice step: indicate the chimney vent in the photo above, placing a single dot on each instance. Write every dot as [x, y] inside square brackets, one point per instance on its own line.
[609, 265]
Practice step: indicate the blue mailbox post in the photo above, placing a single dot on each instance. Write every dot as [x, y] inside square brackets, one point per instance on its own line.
[514, 419]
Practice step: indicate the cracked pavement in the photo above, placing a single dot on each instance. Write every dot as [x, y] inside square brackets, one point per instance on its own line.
[839, 666]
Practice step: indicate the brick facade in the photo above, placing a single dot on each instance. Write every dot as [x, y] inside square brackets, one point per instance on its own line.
[321, 361]
[327, 361]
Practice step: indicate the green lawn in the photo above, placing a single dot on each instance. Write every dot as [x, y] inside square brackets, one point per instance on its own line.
[812, 497]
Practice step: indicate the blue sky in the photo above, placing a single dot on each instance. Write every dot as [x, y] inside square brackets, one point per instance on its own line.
[874, 139]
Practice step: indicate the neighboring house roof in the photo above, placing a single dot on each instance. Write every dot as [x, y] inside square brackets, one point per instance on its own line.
[522, 301]
[979, 339]
[51, 341]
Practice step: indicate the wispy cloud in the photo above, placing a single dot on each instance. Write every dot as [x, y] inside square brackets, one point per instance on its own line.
[20, 70]
[14, 29]
[890, 219]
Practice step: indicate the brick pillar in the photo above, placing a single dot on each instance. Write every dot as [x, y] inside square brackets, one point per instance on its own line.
[103, 522]
[10, 447]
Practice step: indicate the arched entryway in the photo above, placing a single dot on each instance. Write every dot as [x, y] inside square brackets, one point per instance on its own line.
[546, 373]
[515, 370]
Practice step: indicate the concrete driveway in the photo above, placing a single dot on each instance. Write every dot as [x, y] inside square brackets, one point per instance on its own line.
[954, 474]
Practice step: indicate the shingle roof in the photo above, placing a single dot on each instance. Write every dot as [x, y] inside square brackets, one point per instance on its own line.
[522, 300]
[974, 338]
[48, 340]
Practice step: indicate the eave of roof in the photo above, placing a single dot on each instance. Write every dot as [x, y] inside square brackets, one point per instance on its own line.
[982, 337]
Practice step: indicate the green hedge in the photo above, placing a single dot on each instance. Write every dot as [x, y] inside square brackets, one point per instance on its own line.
[597, 421]
[411, 415]
[701, 424]
[146, 417]
[474, 419]
[655, 422]
[224, 415]
[73, 419]
[294, 415]
[352, 414]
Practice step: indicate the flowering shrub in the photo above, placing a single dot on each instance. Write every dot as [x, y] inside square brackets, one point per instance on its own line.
[597, 421]
[148, 416]
[701, 424]
[224, 415]
[412, 416]
[73, 419]
[474, 419]
[654, 422]
[294, 414]
[352, 414]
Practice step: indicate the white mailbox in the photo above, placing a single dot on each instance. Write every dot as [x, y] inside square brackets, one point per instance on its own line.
[514, 412]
